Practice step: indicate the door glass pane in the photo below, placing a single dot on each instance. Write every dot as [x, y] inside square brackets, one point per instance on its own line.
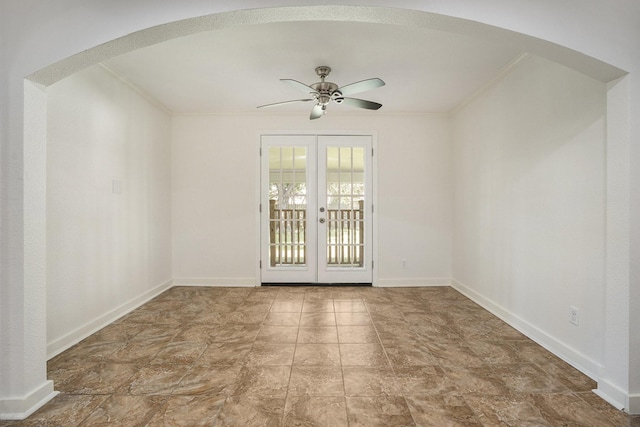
[345, 206]
[287, 206]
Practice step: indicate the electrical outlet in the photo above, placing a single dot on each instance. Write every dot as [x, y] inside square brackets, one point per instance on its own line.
[574, 315]
[404, 263]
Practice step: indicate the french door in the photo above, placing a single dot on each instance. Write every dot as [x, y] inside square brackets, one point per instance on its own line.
[316, 209]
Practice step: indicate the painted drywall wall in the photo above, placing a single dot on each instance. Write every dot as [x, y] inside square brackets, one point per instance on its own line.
[215, 194]
[108, 203]
[529, 212]
[51, 32]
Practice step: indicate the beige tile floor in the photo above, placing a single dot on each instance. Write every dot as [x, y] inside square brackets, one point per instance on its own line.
[316, 356]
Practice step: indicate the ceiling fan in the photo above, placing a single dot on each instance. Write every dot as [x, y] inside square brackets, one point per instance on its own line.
[322, 93]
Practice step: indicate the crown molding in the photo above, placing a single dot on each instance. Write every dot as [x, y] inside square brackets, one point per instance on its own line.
[504, 72]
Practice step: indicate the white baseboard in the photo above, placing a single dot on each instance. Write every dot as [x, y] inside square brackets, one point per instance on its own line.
[633, 407]
[21, 408]
[576, 359]
[618, 398]
[612, 394]
[216, 282]
[61, 344]
[406, 283]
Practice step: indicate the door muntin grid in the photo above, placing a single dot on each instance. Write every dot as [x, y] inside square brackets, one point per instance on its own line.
[287, 206]
[345, 201]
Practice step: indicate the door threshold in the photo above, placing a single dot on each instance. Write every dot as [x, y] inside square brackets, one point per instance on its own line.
[317, 284]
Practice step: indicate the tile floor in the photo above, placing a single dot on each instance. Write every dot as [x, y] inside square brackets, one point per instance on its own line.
[316, 356]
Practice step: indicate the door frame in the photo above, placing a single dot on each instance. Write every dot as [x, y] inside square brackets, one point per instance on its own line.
[373, 192]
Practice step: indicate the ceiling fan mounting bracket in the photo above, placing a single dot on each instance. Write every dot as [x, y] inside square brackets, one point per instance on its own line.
[323, 71]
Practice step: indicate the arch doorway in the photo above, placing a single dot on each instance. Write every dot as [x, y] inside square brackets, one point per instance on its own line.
[35, 141]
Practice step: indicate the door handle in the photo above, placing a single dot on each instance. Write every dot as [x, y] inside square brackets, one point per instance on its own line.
[321, 220]
[321, 209]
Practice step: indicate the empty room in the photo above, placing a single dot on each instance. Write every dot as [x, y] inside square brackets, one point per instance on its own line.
[317, 215]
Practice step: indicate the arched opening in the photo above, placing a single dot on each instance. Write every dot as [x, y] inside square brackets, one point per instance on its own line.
[36, 107]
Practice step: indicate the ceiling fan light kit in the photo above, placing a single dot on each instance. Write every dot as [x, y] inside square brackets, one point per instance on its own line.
[324, 92]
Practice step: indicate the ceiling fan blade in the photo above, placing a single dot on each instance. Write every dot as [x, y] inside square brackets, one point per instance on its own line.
[361, 103]
[285, 102]
[361, 86]
[300, 86]
[316, 112]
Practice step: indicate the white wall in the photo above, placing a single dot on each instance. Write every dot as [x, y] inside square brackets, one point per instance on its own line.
[529, 205]
[106, 251]
[59, 38]
[215, 194]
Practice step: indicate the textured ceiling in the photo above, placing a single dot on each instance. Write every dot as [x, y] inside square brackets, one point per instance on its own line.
[237, 69]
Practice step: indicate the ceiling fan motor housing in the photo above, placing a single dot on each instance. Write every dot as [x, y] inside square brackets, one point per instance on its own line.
[325, 91]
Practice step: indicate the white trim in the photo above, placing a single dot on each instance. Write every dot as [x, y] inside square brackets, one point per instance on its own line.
[576, 359]
[633, 406]
[612, 394]
[374, 216]
[72, 338]
[216, 281]
[373, 134]
[306, 273]
[258, 210]
[273, 113]
[418, 282]
[504, 72]
[618, 398]
[326, 273]
[21, 408]
[137, 89]
[617, 325]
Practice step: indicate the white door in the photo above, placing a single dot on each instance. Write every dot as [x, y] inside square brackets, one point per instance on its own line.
[316, 209]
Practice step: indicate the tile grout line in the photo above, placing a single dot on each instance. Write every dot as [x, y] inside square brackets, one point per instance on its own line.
[108, 404]
[295, 350]
[344, 387]
[393, 370]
